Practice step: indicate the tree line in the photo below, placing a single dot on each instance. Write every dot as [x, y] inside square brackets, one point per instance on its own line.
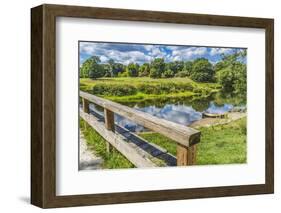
[230, 71]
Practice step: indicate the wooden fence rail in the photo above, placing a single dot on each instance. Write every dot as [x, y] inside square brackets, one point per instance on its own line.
[185, 137]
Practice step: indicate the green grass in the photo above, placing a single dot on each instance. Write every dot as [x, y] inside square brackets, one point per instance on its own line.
[144, 88]
[97, 144]
[148, 97]
[222, 144]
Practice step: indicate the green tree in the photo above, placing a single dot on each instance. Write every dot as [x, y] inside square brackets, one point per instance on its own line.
[168, 74]
[158, 66]
[132, 70]
[106, 69]
[188, 67]
[226, 78]
[202, 70]
[115, 68]
[182, 74]
[176, 66]
[231, 73]
[154, 73]
[91, 68]
[144, 70]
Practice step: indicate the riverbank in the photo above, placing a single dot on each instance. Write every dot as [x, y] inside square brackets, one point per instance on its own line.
[140, 89]
[207, 122]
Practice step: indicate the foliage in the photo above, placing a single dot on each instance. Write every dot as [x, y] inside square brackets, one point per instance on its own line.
[132, 70]
[226, 77]
[114, 90]
[115, 68]
[138, 90]
[188, 67]
[150, 90]
[107, 70]
[202, 70]
[168, 74]
[154, 73]
[182, 74]
[144, 70]
[175, 66]
[91, 68]
[231, 73]
[158, 67]
[123, 74]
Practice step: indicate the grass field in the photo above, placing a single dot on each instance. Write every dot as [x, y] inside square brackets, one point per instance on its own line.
[139, 89]
[222, 144]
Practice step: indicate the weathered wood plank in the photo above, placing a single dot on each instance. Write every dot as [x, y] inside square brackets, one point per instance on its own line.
[109, 125]
[192, 155]
[150, 150]
[186, 136]
[109, 119]
[118, 141]
[85, 105]
[186, 155]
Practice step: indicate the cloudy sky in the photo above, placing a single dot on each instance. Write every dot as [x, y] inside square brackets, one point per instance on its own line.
[139, 53]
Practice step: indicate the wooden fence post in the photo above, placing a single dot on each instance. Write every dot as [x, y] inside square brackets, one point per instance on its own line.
[85, 105]
[186, 155]
[109, 124]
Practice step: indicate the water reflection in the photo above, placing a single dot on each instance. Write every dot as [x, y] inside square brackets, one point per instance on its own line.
[215, 109]
[179, 113]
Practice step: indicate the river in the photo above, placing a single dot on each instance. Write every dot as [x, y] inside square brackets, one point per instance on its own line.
[181, 111]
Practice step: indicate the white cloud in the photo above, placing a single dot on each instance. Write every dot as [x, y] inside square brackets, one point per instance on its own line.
[148, 47]
[119, 53]
[103, 59]
[219, 51]
[136, 53]
[188, 53]
[157, 53]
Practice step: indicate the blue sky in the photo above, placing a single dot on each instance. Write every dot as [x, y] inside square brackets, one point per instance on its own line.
[142, 53]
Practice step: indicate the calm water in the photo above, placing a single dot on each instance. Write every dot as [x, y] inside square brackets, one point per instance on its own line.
[182, 112]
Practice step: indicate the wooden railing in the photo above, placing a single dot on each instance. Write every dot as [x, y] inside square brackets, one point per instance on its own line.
[185, 137]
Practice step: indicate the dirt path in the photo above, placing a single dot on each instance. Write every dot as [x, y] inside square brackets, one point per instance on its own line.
[207, 122]
[88, 160]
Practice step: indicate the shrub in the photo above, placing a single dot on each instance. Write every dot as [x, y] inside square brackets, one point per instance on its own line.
[154, 73]
[164, 88]
[123, 74]
[184, 87]
[202, 70]
[149, 88]
[168, 74]
[182, 74]
[114, 90]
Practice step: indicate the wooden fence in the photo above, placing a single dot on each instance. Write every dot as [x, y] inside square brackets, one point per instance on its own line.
[185, 137]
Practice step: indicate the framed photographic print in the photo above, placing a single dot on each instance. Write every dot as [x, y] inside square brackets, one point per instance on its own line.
[136, 106]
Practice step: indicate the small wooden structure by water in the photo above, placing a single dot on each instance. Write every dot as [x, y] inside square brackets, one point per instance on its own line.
[214, 115]
[137, 150]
